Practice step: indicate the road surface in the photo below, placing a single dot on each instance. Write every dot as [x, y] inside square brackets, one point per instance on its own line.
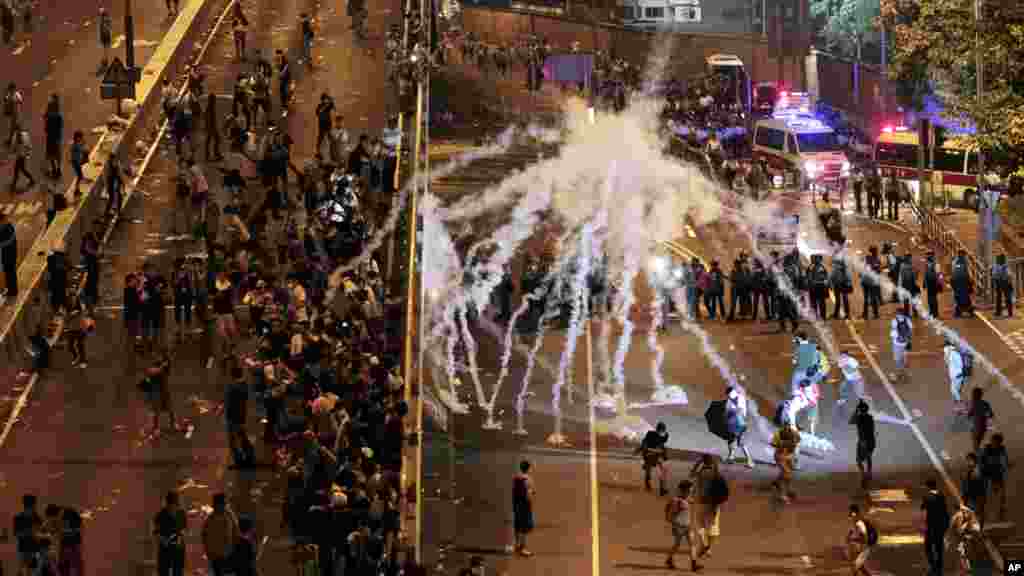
[79, 441]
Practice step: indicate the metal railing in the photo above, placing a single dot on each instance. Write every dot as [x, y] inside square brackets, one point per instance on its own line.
[937, 232]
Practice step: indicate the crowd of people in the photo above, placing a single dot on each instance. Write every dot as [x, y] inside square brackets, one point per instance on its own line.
[253, 287]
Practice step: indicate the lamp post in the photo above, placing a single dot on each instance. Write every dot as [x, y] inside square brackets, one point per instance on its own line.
[129, 41]
[987, 208]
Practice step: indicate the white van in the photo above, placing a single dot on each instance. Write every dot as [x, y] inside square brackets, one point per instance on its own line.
[800, 149]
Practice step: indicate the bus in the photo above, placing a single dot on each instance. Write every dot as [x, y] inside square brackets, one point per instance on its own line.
[954, 175]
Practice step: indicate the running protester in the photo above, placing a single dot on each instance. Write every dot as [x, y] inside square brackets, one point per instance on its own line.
[654, 454]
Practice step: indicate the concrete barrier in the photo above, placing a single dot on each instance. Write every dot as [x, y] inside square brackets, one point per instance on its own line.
[178, 48]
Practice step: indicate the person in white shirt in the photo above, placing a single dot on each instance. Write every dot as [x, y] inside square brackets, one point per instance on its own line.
[901, 333]
[955, 369]
[853, 381]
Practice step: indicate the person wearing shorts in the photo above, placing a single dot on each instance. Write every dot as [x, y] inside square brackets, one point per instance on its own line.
[224, 310]
[736, 418]
[679, 515]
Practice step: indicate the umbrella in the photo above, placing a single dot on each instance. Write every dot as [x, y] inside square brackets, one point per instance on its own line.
[716, 418]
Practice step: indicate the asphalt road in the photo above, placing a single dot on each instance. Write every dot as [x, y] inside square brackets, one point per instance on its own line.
[81, 439]
[907, 454]
[62, 56]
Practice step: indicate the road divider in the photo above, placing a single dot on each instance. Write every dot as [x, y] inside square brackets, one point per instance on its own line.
[181, 45]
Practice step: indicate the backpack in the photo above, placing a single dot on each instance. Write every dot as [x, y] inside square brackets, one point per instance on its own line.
[1001, 275]
[991, 462]
[903, 330]
[967, 358]
[872, 532]
[780, 412]
[719, 490]
[9, 105]
[820, 277]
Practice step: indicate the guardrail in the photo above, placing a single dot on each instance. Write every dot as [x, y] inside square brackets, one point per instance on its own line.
[934, 230]
[176, 51]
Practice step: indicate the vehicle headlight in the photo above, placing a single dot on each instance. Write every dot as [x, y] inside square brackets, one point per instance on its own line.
[811, 167]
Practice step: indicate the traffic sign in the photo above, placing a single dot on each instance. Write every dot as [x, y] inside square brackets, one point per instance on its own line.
[118, 82]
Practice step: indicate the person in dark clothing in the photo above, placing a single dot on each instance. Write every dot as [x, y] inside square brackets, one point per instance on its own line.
[284, 80]
[359, 157]
[132, 310]
[152, 300]
[654, 452]
[114, 176]
[9, 256]
[739, 280]
[714, 295]
[866, 440]
[212, 126]
[974, 487]
[245, 553]
[28, 525]
[324, 114]
[57, 270]
[53, 122]
[936, 512]
[932, 284]
[522, 506]
[236, 398]
[892, 197]
[91, 259]
[871, 287]
[79, 158]
[169, 528]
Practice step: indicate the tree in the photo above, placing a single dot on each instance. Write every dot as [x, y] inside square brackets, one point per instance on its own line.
[934, 50]
[844, 23]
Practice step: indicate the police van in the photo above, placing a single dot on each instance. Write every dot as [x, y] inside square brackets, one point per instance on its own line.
[799, 149]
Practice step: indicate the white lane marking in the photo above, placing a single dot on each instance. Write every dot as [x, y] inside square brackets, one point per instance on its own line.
[936, 461]
[907, 418]
[1005, 383]
[18, 407]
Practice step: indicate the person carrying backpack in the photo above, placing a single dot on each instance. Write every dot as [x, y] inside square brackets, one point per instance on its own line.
[901, 335]
[994, 464]
[959, 365]
[679, 515]
[786, 442]
[1002, 286]
[819, 285]
[860, 540]
[908, 281]
[981, 415]
[712, 492]
[842, 286]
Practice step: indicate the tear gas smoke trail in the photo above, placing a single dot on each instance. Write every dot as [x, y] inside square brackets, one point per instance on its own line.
[707, 347]
[581, 297]
[652, 334]
[787, 288]
[551, 311]
[937, 325]
[525, 218]
[537, 295]
[503, 143]
[623, 309]
[470, 344]
[452, 340]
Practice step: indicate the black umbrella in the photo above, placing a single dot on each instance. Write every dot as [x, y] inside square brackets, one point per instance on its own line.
[717, 421]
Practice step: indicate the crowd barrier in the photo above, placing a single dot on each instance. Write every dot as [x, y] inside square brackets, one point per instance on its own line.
[178, 48]
[937, 232]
